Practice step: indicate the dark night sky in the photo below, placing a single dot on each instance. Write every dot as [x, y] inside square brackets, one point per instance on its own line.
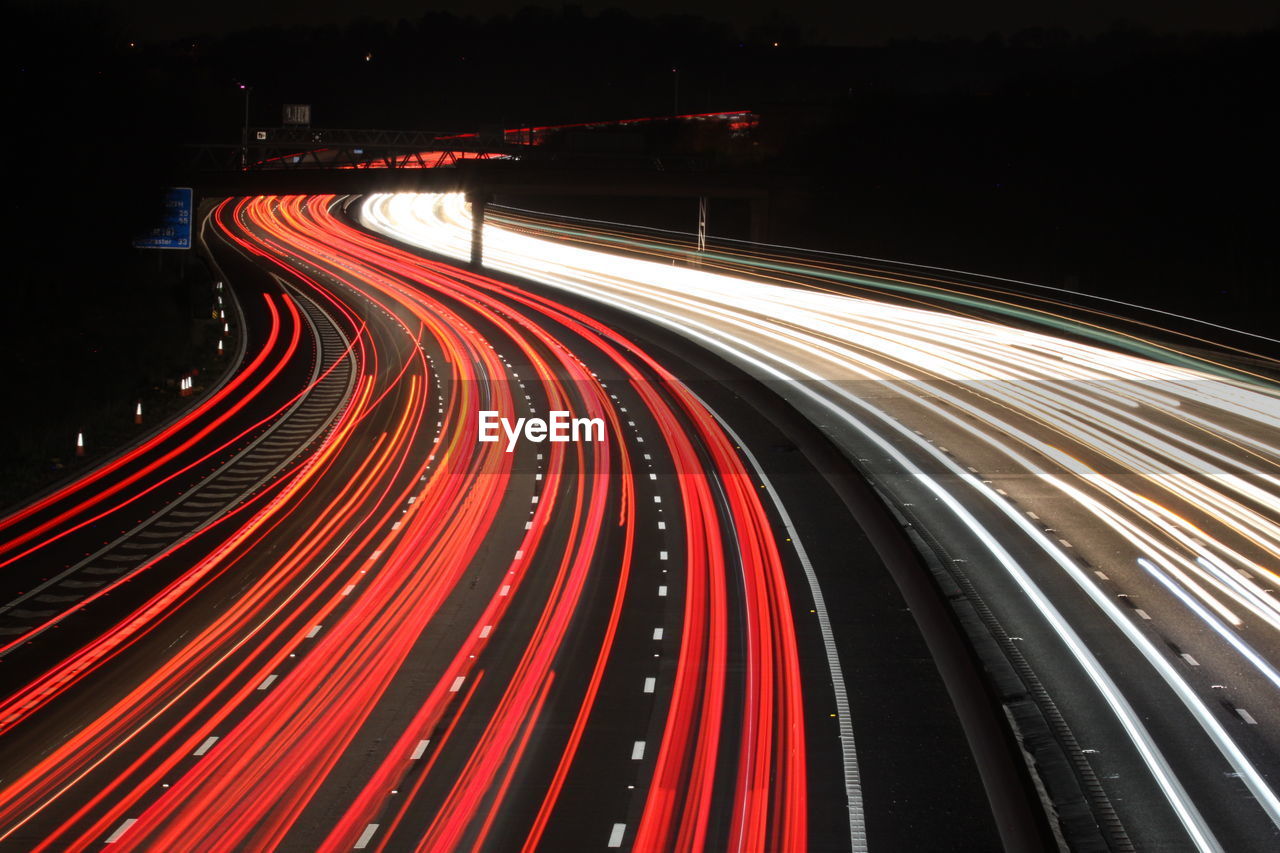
[829, 22]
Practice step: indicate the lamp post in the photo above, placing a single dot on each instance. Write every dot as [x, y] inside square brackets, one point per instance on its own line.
[244, 130]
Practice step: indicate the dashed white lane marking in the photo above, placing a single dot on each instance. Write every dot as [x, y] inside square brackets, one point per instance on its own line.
[1031, 514]
[535, 499]
[657, 499]
[350, 587]
[615, 835]
[637, 750]
[647, 456]
[1189, 659]
[662, 555]
[506, 588]
[1246, 716]
[649, 684]
[1102, 576]
[652, 476]
[528, 525]
[457, 684]
[1065, 543]
[1002, 492]
[206, 746]
[657, 633]
[420, 749]
[314, 631]
[366, 836]
[662, 525]
[396, 526]
[484, 632]
[1143, 613]
[375, 555]
[124, 827]
[520, 554]
[539, 477]
[662, 591]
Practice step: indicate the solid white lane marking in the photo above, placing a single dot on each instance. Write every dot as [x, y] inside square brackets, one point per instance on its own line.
[314, 631]
[1246, 716]
[204, 747]
[420, 749]
[124, 827]
[366, 836]
[649, 684]
[484, 632]
[266, 682]
[457, 684]
[662, 590]
[657, 633]
[637, 750]
[615, 835]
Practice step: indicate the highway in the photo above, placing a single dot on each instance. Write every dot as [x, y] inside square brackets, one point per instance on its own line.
[314, 612]
[1106, 503]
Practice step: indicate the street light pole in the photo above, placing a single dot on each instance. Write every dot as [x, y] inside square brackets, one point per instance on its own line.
[244, 130]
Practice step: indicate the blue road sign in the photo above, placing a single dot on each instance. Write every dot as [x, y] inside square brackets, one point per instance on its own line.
[174, 231]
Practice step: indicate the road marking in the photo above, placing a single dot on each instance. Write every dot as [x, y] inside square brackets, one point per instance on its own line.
[395, 526]
[535, 499]
[657, 633]
[347, 591]
[1246, 716]
[420, 749]
[124, 827]
[1142, 613]
[657, 499]
[204, 747]
[1189, 659]
[652, 476]
[649, 684]
[528, 525]
[366, 836]
[519, 553]
[1102, 576]
[1065, 543]
[1033, 515]
[457, 684]
[314, 631]
[615, 835]
[662, 591]
[506, 588]
[484, 632]
[375, 555]
[662, 525]
[662, 555]
[637, 750]
[266, 682]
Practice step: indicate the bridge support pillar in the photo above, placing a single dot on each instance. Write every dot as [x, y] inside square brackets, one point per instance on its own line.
[478, 201]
